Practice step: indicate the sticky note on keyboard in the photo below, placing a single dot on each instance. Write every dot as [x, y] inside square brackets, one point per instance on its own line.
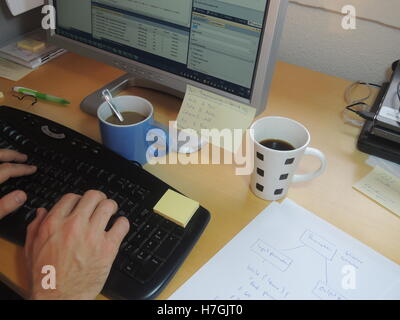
[383, 188]
[202, 109]
[176, 207]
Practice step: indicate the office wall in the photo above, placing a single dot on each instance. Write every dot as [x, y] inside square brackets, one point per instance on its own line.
[10, 26]
[314, 38]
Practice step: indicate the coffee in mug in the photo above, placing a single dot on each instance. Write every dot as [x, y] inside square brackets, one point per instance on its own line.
[276, 144]
[130, 117]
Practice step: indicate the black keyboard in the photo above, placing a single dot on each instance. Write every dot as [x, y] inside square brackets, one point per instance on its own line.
[68, 162]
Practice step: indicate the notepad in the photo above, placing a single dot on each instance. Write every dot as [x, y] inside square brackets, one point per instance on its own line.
[382, 187]
[202, 109]
[176, 207]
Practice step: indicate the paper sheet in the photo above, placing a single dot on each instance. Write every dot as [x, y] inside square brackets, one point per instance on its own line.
[389, 166]
[205, 110]
[382, 187]
[20, 6]
[12, 71]
[287, 252]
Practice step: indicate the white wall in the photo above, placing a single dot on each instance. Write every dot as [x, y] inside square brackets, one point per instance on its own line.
[314, 38]
[11, 27]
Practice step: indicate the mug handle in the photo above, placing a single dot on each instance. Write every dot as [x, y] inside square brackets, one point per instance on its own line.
[153, 147]
[310, 176]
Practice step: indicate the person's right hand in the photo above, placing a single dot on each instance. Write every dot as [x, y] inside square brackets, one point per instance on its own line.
[12, 201]
[72, 239]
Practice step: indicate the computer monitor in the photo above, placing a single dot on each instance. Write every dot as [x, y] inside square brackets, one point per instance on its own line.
[228, 47]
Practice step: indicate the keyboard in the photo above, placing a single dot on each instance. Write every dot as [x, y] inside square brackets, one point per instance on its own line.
[68, 162]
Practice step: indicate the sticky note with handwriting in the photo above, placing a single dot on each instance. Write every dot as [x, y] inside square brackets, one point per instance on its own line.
[383, 188]
[202, 109]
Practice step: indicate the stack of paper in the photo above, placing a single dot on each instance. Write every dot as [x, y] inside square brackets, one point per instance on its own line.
[287, 252]
[29, 59]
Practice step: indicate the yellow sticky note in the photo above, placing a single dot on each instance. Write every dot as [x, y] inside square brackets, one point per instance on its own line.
[176, 207]
[202, 109]
[383, 188]
[31, 45]
[1, 95]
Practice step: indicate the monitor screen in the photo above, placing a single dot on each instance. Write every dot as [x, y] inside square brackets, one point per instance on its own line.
[215, 43]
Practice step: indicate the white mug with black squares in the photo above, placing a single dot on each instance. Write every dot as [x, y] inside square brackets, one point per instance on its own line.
[274, 170]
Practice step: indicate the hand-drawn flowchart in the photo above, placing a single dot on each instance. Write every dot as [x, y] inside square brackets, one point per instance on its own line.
[289, 253]
[261, 280]
[281, 261]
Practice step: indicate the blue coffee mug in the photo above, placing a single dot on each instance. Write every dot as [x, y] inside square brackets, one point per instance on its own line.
[133, 142]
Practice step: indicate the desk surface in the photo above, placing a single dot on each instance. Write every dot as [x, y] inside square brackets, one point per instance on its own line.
[314, 99]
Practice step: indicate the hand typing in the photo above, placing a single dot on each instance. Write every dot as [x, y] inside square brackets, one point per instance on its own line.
[71, 237]
[11, 167]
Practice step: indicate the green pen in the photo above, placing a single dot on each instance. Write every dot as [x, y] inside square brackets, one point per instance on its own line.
[39, 95]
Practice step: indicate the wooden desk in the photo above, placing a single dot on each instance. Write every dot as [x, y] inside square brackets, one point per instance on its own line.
[312, 98]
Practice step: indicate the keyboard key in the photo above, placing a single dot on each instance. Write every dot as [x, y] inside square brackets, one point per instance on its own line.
[144, 213]
[178, 231]
[166, 248]
[120, 199]
[167, 225]
[148, 270]
[30, 215]
[155, 219]
[159, 235]
[130, 208]
[149, 229]
[142, 255]
[138, 240]
[128, 248]
[138, 221]
[122, 213]
[130, 269]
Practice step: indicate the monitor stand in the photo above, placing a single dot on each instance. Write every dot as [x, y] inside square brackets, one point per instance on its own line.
[92, 102]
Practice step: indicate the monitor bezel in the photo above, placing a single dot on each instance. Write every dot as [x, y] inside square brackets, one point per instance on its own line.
[264, 70]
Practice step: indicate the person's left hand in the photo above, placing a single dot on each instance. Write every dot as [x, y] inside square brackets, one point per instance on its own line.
[9, 169]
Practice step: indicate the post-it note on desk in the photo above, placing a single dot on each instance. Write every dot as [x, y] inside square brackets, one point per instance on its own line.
[383, 188]
[206, 110]
[176, 207]
[13, 71]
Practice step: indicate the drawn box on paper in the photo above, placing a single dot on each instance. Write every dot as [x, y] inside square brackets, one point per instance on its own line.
[323, 292]
[319, 244]
[273, 256]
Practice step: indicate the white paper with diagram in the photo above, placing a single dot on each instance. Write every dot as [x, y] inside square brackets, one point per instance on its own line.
[287, 252]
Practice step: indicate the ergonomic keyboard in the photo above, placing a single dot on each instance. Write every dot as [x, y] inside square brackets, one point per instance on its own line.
[69, 162]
